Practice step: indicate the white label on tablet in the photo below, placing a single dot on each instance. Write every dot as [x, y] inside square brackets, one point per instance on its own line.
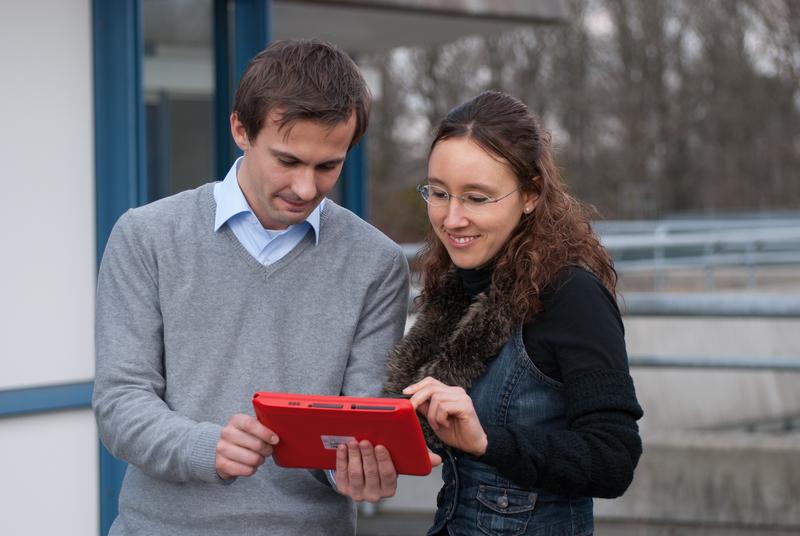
[330, 442]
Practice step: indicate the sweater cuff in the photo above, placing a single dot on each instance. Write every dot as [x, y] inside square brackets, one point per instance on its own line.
[202, 460]
[501, 447]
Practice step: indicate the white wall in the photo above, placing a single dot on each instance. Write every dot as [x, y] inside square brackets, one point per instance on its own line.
[49, 462]
[47, 217]
[50, 471]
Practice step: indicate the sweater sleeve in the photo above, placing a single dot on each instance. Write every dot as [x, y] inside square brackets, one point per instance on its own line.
[380, 326]
[595, 456]
[579, 340]
[134, 421]
[579, 330]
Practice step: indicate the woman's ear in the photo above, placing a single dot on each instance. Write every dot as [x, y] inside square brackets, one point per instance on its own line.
[530, 199]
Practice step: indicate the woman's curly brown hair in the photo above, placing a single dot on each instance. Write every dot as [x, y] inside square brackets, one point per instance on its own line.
[556, 235]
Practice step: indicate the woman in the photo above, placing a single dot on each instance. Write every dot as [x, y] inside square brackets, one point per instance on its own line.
[517, 359]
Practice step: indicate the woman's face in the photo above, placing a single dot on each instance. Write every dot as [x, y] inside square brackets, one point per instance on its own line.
[473, 235]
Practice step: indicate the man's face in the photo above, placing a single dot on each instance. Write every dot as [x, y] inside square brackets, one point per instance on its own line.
[285, 173]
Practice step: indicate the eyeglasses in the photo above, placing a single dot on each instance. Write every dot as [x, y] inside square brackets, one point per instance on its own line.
[472, 201]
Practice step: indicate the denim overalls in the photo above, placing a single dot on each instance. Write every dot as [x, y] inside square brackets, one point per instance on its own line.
[475, 498]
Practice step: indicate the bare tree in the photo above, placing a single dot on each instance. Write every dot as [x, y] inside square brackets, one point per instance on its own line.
[657, 106]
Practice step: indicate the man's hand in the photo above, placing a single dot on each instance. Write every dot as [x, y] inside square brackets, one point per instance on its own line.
[365, 473]
[243, 446]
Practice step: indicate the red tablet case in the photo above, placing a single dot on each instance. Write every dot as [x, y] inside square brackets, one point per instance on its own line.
[311, 426]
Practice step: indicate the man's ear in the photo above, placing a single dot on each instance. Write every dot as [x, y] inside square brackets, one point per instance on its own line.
[239, 133]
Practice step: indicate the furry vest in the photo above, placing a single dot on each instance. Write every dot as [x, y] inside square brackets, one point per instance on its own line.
[452, 340]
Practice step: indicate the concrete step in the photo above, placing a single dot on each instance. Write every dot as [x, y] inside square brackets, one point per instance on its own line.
[410, 524]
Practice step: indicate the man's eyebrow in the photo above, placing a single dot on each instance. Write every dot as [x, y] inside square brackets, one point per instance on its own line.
[284, 155]
[289, 156]
[331, 162]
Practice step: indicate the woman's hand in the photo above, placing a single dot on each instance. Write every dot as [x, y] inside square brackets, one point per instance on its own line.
[450, 413]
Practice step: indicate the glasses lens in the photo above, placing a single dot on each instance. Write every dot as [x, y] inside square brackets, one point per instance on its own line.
[435, 195]
[423, 191]
[475, 201]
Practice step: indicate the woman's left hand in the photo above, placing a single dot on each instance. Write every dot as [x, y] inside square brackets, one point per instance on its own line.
[450, 413]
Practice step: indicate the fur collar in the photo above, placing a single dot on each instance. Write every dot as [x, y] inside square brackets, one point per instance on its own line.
[451, 340]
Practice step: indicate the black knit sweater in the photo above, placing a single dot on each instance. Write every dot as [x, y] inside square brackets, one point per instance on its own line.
[578, 340]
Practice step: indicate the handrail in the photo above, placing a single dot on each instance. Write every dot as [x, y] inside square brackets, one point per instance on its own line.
[713, 260]
[785, 364]
[710, 304]
[661, 246]
[773, 235]
[786, 237]
[691, 225]
[698, 304]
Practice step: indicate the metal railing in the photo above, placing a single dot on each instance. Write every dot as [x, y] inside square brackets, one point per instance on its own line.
[663, 251]
[708, 305]
[713, 305]
[659, 247]
[778, 364]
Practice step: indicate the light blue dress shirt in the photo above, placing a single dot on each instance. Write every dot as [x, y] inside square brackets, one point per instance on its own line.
[264, 245]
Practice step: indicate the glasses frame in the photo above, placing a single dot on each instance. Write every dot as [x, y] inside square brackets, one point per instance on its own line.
[424, 188]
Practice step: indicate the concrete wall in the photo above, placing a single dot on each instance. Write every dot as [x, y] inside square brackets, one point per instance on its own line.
[678, 399]
[47, 229]
[697, 469]
[715, 478]
[694, 478]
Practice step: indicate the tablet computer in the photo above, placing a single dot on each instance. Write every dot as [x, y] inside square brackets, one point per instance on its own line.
[310, 428]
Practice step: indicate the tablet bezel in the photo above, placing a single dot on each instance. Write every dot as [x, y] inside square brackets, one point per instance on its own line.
[308, 435]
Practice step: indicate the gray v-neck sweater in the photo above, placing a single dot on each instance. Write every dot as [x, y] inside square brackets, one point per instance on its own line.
[189, 326]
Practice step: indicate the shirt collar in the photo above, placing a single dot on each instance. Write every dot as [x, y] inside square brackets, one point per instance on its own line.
[231, 201]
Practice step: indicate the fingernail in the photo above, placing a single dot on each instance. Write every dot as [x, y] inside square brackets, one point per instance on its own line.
[273, 440]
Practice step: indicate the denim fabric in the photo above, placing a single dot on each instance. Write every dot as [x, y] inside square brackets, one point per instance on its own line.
[475, 498]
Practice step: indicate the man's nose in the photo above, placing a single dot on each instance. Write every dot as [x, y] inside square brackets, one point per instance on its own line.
[304, 184]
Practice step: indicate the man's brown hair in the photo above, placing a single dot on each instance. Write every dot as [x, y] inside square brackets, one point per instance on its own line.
[304, 79]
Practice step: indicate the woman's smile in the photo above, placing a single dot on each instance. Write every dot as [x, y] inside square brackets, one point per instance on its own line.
[473, 235]
[461, 241]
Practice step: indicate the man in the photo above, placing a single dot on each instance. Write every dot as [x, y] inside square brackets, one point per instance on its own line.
[255, 283]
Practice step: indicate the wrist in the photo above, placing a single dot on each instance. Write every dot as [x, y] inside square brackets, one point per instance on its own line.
[483, 445]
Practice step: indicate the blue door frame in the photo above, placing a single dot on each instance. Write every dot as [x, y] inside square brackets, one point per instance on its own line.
[120, 158]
